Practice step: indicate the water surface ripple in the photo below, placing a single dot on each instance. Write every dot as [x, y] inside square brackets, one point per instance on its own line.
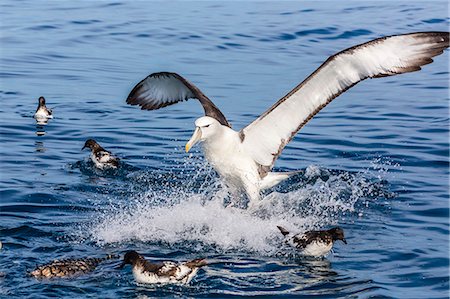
[375, 161]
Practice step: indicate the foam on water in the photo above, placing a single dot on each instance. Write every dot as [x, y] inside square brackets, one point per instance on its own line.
[179, 215]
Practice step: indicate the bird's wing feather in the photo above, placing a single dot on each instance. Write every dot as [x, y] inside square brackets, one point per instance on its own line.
[152, 267]
[266, 137]
[303, 240]
[159, 90]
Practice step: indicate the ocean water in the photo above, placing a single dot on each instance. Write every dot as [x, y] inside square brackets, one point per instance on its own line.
[375, 161]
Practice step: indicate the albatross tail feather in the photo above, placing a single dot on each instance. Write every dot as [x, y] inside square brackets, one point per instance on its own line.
[274, 178]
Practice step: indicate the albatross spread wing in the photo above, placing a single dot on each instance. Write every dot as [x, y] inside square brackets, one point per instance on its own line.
[266, 137]
[159, 90]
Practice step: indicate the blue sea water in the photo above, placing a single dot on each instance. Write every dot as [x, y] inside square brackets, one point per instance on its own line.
[375, 161]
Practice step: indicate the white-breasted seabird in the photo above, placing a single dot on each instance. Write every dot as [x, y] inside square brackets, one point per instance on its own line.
[245, 158]
[162, 272]
[314, 243]
[102, 158]
[69, 267]
[42, 114]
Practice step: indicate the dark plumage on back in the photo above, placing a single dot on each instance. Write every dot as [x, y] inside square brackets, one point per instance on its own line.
[69, 267]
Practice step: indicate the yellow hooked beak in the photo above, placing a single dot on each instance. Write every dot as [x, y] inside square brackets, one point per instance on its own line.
[194, 139]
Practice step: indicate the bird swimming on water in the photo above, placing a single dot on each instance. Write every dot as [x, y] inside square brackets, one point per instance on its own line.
[245, 158]
[161, 272]
[314, 243]
[42, 113]
[69, 267]
[102, 158]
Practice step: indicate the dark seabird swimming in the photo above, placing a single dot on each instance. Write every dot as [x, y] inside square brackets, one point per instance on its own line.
[161, 272]
[69, 267]
[102, 158]
[314, 243]
[42, 113]
[245, 158]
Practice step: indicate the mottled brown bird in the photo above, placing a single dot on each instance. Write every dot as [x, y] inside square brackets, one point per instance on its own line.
[69, 267]
[161, 272]
[315, 242]
[102, 158]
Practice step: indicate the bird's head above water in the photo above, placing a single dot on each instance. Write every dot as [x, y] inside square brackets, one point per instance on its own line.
[337, 233]
[91, 144]
[41, 102]
[131, 257]
[205, 128]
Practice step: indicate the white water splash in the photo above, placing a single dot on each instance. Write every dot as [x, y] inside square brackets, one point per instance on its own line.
[178, 216]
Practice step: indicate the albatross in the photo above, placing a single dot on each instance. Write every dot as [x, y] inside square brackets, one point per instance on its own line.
[245, 158]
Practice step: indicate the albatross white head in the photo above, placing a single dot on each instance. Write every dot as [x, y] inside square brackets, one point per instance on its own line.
[205, 128]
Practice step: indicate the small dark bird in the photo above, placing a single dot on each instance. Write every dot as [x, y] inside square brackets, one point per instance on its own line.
[42, 113]
[162, 272]
[69, 267]
[314, 243]
[102, 158]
